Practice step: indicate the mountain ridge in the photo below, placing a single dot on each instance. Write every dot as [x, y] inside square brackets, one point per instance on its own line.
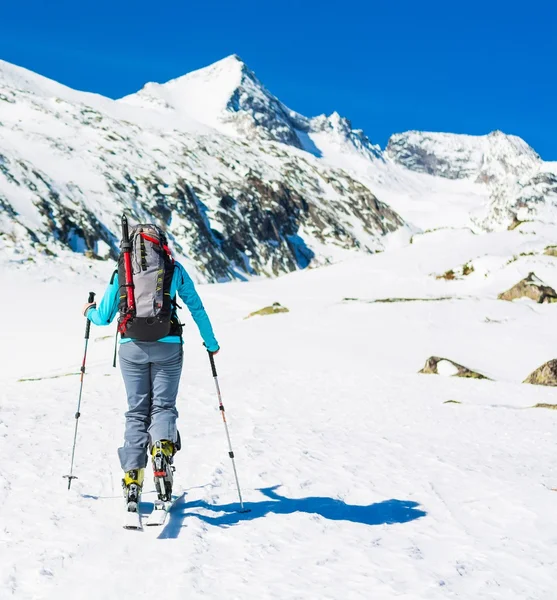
[250, 186]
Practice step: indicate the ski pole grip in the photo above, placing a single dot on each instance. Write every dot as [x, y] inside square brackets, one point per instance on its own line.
[213, 366]
[88, 326]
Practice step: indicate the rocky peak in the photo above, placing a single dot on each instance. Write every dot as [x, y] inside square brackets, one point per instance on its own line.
[440, 154]
[457, 156]
[339, 131]
[230, 98]
[505, 155]
[226, 96]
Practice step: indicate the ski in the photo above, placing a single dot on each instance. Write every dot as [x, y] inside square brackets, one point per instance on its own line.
[132, 520]
[158, 517]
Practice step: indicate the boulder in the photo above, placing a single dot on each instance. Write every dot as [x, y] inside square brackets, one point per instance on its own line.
[530, 287]
[544, 375]
[436, 365]
[515, 223]
[274, 309]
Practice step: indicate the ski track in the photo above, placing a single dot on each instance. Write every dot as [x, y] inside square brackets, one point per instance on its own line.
[361, 482]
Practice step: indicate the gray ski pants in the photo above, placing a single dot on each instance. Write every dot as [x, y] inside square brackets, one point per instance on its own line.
[151, 372]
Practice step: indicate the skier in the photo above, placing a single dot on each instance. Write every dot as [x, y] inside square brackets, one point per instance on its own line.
[143, 290]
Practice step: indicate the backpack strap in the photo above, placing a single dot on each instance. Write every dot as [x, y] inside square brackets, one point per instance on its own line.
[178, 327]
[153, 240]
[143, 253]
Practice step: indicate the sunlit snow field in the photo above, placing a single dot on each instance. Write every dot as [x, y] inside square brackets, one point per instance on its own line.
[362, 482]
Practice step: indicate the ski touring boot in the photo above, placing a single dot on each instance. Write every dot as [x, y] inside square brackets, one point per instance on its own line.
[132, 484]
[162, 453]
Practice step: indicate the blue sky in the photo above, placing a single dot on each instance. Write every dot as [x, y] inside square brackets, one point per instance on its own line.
[389, 66]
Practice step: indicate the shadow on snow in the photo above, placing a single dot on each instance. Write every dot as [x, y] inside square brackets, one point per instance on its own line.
[381, 513]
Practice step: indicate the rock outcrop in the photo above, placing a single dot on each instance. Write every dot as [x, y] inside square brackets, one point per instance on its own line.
[274, 309]
[530, 287]
[436, 365]
[544, 375]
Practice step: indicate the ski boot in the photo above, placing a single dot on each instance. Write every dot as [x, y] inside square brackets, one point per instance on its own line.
[132, 484]
[162, 453]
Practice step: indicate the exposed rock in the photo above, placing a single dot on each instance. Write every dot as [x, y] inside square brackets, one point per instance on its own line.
[530, 287]
[550, 251]
[515, 223]
[274, 309]
[436, 365]
[448, 275]
[544, 375]
[462, 271]
[467, 269]
[393, 300]
[545, 405]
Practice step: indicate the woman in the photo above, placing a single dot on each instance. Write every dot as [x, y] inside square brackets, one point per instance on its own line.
[151, 369]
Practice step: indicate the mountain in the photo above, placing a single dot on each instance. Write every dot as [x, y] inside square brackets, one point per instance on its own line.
[244, 185]
[228, 97]
[520, 184]
[71, 162]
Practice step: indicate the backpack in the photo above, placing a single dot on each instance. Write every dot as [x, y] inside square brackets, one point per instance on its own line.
[154, 314]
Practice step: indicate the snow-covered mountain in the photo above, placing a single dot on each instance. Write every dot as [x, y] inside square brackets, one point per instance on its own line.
[518, 181]
[244, 184]
[228, 97]
[71, 162]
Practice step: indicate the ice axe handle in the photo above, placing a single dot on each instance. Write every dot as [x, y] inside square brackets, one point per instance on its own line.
[126, 246]
[88, 326]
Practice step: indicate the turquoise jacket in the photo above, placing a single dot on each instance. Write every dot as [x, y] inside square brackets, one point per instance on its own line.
[182, 285]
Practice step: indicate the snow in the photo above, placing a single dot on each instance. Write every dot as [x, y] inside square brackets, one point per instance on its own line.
[446, 368]
[362, 482]
[203, 94]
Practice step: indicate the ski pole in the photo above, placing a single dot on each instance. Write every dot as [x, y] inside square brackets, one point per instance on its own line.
[230, 451]
[78, 414]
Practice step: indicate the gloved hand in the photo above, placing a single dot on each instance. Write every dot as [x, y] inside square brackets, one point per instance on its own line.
[87, 306]
[213, 352]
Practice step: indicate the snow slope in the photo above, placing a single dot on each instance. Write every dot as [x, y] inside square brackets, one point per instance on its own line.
[362, 482]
